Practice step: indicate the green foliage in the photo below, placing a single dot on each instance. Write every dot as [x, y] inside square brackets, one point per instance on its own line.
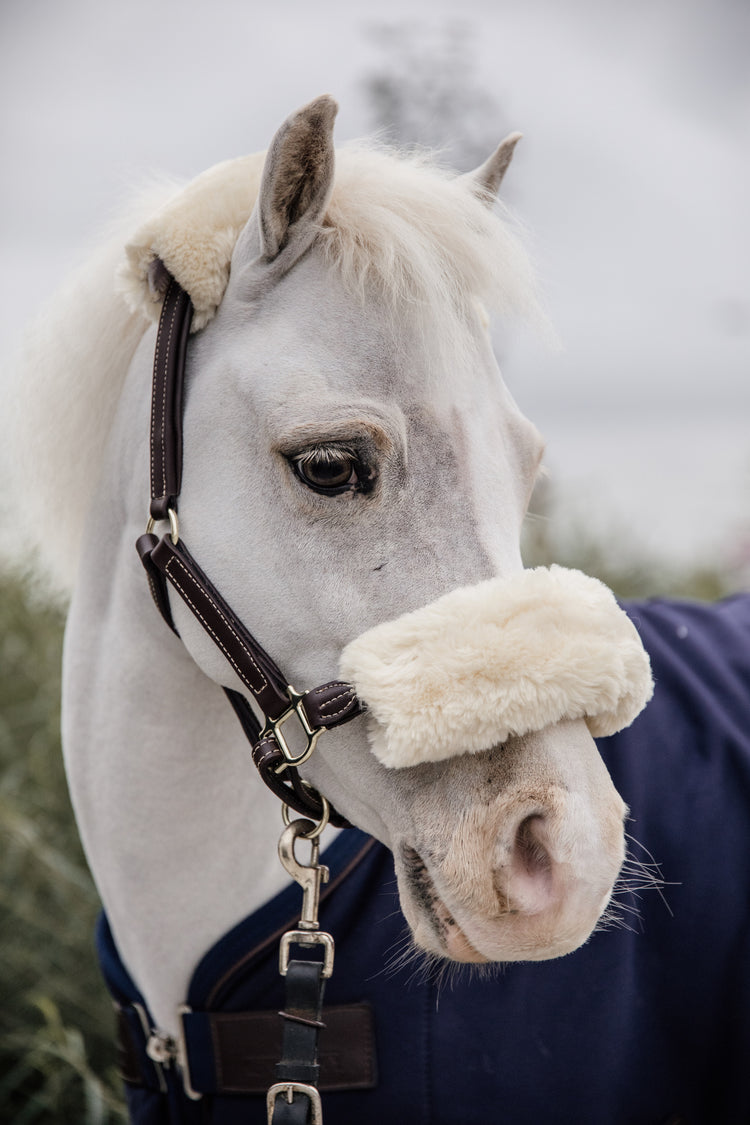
[56, 1025]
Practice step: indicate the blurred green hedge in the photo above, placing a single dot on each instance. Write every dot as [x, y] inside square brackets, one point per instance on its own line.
[57, 1055]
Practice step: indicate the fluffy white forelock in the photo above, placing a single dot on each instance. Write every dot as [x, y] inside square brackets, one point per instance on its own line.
[394, 221]
[502, 658]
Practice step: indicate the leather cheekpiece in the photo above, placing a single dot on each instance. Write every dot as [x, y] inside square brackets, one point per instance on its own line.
[168, 563]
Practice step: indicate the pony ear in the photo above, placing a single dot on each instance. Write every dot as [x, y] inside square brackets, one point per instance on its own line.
[297, 177]
[485, 181]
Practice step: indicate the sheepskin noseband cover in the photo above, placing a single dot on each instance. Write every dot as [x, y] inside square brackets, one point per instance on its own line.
[502, 658]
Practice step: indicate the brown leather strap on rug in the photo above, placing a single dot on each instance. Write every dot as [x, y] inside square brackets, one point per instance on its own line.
[236, 1052]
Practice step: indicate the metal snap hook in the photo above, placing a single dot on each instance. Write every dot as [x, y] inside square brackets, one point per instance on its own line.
[310, 877]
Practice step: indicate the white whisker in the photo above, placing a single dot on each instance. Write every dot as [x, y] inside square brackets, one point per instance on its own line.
[636, 875]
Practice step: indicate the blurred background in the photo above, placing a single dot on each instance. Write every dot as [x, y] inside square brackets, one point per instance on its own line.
[632, 182]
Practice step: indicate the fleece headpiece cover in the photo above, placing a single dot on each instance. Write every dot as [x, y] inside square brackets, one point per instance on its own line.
[502, 658]
[194, 235]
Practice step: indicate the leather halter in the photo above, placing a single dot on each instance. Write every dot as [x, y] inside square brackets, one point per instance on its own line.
[169, 563]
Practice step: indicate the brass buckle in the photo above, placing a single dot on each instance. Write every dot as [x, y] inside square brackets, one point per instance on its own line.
[289, 1089]
[273, 727]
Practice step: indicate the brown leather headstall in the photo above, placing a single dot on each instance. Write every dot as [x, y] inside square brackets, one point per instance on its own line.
[169, 564]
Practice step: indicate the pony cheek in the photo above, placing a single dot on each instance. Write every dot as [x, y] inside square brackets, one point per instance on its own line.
[366, 793]
[198, 646]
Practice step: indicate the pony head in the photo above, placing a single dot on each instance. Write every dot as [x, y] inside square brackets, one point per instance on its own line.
[354, 482]
[347, 419]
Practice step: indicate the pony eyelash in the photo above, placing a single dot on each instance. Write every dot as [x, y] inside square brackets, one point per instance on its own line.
[327, 453]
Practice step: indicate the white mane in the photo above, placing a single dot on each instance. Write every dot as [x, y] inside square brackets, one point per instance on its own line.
[398, 223]
[415, 231]
[58, 402]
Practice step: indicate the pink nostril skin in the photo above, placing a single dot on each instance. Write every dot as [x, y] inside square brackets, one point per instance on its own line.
[524, 882]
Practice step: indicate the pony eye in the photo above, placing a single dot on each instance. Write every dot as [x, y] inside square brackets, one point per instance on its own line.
[328, 469]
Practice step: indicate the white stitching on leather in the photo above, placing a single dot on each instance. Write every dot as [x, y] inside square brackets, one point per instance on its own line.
[207, 627]
[348, 695]
[163, 408]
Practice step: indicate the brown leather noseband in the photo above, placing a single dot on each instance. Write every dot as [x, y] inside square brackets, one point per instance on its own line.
[168, 563]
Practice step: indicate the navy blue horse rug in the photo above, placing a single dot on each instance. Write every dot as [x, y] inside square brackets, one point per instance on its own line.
[647, 1024]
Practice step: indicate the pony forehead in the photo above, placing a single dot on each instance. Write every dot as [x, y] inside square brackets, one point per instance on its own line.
[395, 221]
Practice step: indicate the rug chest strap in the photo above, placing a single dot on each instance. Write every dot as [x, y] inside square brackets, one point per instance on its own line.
[236, 1052]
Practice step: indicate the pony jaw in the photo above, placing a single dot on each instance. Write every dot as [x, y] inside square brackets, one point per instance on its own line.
[433, 925]
[496, 660]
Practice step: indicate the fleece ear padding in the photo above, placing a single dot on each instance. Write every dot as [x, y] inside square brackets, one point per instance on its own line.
[193, 236]
[502, 658]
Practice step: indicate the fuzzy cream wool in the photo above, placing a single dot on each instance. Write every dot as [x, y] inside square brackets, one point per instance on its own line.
[502, 658]
[194, 235]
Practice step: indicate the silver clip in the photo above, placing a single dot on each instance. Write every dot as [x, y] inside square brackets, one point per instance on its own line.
[307, 937]
[309, 876]
[161, 1048]
[183, 1060]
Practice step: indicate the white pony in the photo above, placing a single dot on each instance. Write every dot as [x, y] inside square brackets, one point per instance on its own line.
[355, 477]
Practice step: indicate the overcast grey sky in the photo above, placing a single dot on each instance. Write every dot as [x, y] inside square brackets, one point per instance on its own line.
[634, 175]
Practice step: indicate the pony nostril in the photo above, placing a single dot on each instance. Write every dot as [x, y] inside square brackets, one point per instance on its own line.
[523, 882]
[529, 852]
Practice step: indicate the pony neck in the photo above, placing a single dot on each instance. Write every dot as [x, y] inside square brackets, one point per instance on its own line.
[178, 831]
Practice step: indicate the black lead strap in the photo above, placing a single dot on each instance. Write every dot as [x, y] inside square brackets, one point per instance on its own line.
[294, 1099]
[299, 1050]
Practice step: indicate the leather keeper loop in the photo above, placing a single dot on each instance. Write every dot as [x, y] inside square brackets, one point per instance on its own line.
[160, 506]
[288, 786]
[326, 706]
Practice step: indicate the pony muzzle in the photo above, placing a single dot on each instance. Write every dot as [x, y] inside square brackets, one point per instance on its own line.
[503, 658]
[522, 871]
